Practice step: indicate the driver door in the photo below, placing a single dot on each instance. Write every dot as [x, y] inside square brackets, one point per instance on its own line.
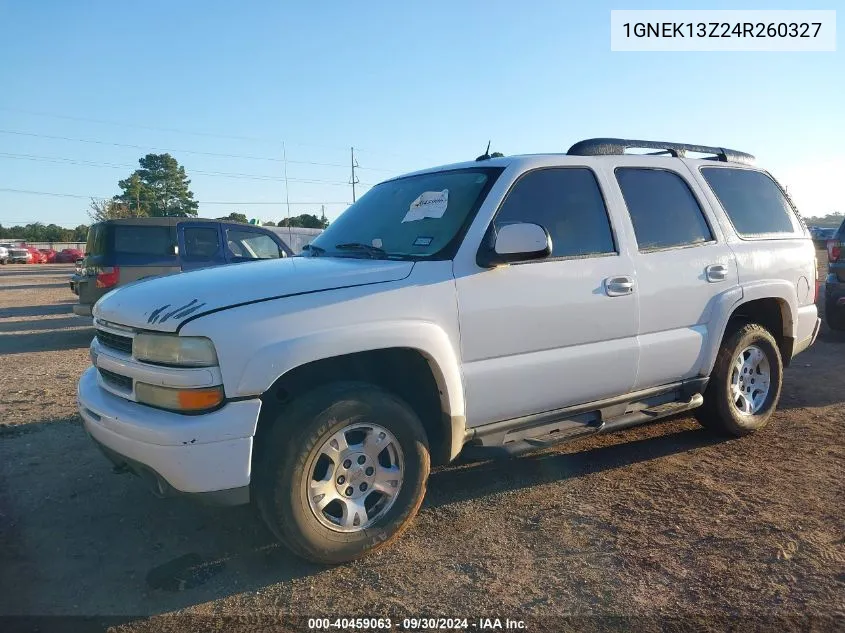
[555, 332]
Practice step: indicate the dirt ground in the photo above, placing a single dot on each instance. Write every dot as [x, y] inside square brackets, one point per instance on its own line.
[657, 526]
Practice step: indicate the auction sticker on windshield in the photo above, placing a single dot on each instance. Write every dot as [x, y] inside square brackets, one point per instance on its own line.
[429, 204]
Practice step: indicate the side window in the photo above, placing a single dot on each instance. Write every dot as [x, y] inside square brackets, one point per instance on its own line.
[663, 210]
[201, 243]
[752, 200]
[568, 202]
[251, 245]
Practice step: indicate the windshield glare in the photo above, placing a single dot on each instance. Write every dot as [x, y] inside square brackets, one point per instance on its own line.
[417, 216]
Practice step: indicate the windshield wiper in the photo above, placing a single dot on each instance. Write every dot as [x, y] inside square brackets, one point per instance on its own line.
[373, 251]
[315, 250]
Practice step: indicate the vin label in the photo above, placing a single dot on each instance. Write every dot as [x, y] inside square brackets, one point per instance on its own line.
[723, 30]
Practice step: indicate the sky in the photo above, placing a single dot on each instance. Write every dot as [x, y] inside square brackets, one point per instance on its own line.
[232, 88]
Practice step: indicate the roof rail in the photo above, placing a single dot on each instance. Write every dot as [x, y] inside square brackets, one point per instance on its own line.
[617, 146]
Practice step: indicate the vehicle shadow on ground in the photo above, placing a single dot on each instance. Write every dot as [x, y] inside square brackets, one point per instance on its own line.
[43, 272]
[60, 307]
[457, 484]
[46, 324]
[33, 286]
[153, 556]
[50, 341]
[814, 378]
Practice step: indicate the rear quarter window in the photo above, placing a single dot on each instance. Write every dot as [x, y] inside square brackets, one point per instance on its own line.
[753, 201]
[156, 241]
[97, 240]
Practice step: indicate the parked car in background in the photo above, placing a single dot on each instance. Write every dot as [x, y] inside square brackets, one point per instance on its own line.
[4, 255]
[20, 255]
[122, 251]
[37, 256]
[490, 307]
[821, 235]
[49, 255]
[69, 255]
[296, 238]
[835, 282]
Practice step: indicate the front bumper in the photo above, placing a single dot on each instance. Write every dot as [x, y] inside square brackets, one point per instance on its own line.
[207, 453]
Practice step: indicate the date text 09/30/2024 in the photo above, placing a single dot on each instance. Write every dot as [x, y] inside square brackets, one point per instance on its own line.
[415, 624]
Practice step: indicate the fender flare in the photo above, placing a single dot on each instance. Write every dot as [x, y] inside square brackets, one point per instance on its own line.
[728, 302]
[280, 357]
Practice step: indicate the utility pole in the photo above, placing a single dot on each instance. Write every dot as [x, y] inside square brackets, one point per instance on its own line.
[287, 193]
[353, 180]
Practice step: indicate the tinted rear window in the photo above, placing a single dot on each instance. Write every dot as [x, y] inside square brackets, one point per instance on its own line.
[96, 244]
[753, 201]
[663, 210]
[143, 240]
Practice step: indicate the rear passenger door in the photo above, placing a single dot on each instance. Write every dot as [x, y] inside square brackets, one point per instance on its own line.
[682, 265]
[200, 245]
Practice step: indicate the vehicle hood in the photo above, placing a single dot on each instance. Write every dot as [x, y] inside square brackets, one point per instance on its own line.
[164, 303]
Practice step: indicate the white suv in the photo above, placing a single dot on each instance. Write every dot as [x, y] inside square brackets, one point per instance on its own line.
[489, 307]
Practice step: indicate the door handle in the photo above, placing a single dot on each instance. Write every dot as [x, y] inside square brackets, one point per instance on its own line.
[618, 286]
[716, 273]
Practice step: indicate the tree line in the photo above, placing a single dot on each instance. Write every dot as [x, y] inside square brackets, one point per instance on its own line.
[304, 220]
[829, 221]
[161, 188]
[38, 232]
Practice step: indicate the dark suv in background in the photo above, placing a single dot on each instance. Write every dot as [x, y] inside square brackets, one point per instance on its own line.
[835, 283]
[121, 251]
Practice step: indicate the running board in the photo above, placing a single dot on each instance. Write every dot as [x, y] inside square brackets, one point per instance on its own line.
[561, 436]
[652, 413]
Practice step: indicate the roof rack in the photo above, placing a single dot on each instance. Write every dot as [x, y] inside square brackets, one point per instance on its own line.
[617, 146]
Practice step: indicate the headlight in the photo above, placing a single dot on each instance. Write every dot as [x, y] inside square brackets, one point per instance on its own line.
[182, 351]
[184, 400]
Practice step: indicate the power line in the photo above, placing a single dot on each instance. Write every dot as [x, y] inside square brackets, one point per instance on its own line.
[165, 149]
[230, 202]
[222, 174]
[188, 132]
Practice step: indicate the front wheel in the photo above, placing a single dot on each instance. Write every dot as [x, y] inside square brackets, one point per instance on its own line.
[342, 472]
[745, 384]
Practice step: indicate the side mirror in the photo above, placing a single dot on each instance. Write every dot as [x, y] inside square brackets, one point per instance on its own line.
[519, 242]
[175, 249]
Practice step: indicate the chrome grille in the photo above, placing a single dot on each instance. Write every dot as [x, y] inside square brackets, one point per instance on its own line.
[115, 341]
[116, 380]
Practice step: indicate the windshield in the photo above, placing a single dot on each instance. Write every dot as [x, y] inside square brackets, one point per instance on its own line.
[413, 217]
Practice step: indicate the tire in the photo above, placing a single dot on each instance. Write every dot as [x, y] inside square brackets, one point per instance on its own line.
[296, 449]
[722, 412]
[835, 318]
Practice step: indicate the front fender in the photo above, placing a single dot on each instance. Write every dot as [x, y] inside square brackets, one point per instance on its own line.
[280, 357]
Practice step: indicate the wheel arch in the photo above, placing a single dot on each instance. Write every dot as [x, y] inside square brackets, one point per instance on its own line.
[411, 360]
[770, 304]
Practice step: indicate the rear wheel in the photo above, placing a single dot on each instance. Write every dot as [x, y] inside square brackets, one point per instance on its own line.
[342, 472]
[745, 384]
[834, 315]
